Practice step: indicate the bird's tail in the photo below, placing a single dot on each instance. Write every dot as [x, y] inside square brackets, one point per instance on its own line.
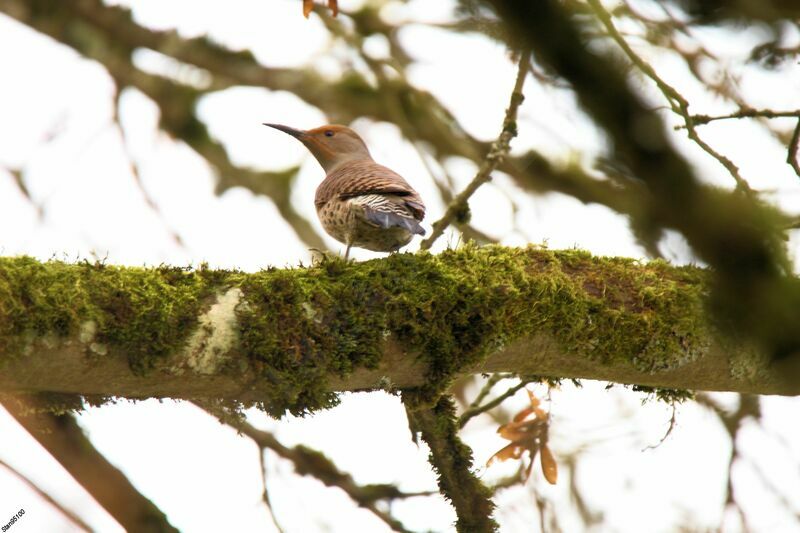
[388, 219]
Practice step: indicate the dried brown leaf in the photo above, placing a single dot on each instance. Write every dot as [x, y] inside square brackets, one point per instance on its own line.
[549, 467]
[308, 7]
[528, 435]
[512, 451]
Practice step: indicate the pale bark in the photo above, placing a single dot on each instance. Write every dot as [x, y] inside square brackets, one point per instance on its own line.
[65, 368]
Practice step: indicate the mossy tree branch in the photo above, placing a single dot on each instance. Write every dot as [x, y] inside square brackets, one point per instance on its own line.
[452, 460]
[286, 339]
[737, 235]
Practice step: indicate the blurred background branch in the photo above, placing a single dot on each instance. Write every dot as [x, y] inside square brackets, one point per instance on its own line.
[65, 441]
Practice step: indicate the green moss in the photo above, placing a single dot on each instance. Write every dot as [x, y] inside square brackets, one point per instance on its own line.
[455, 308]
[300, 326]
[145, 312]
[664, 395]
[452, 460]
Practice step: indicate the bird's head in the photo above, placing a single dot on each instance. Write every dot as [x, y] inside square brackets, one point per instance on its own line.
[332, 145]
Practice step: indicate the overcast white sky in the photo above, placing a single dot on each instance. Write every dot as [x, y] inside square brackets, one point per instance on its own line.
[55, 120]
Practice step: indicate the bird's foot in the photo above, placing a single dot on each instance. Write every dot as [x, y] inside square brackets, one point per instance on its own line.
[325, 256]
[321, 256]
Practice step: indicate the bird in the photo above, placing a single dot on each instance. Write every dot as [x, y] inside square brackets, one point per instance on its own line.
[360, 202]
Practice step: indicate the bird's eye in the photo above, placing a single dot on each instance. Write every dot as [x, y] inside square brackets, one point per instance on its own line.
[328, 133]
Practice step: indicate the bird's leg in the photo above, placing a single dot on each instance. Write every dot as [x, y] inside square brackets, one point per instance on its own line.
[351, 231]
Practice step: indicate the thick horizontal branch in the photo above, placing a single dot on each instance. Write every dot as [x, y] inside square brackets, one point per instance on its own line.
[284, 339]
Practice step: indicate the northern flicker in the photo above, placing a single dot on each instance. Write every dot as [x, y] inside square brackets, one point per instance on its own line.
[360, 203]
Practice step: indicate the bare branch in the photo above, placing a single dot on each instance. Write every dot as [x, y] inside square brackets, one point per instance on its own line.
[137, 177]
[475, 410]
[498, 151]
[19, 181]
[742, 113]
[672, 421]
[749, 407]
[308, 462]
[63, 438]
[265, 493]
[493, 380]
[677, 101]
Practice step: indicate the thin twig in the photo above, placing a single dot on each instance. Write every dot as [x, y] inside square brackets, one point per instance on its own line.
[588, 516]
[262, 459]
[469, 231]
[497, 153]
[693, 56]
[672, 421]
[17, 176]
[792, 151]
[677, 101]
[517, 478]
[477, 410]
[69, 515]
[493, 380]
[137, 177]
[742, 113]
[540, 506]
[312, 463]
[788, 503]
[794, 147]
[749, 407]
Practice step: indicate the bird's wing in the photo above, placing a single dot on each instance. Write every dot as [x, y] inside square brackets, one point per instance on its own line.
[364, 177]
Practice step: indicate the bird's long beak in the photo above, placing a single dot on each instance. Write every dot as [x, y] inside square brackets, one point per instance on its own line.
[297, 134]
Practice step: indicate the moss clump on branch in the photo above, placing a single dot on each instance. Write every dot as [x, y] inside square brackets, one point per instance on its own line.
[299, 327]
[455, 308]
[672, 396]
[452, 460]
[147, 313]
